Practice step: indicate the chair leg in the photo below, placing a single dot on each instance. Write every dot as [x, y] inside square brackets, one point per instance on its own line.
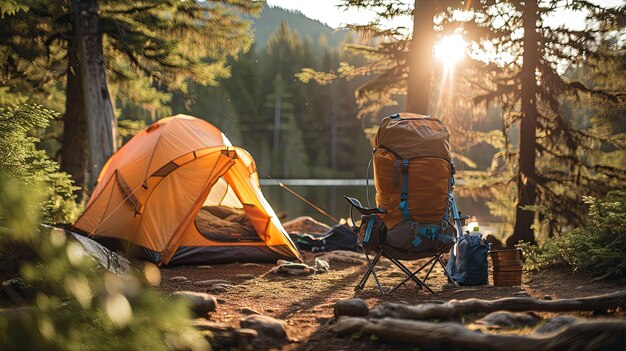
[410, 276]
[430, 269]
[417, 271]
[371, 264]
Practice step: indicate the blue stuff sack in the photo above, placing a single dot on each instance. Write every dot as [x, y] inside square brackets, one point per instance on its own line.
[468, 260]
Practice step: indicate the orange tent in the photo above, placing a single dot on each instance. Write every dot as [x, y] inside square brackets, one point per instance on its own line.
[150, 193]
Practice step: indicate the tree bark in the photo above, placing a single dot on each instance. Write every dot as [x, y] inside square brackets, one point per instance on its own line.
[585, 335]
[456, 308]
[74, 151]
[526, 181]
[99, 114]
[421, 57]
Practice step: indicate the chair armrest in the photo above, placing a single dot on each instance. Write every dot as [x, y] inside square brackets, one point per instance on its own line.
[364, 211]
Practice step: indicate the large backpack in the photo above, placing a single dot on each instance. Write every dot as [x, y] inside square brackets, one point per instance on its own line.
[412, 173]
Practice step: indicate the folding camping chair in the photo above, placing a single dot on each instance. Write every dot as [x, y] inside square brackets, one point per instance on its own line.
[372, 237]
[408, 239]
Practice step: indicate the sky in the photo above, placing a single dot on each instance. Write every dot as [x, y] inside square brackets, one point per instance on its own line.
[326, 11]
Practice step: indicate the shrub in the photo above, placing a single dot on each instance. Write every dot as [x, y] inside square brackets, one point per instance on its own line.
[29, 167]
[78, 305]
[598, 248]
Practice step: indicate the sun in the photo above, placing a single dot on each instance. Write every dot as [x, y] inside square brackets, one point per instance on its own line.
[450, 49]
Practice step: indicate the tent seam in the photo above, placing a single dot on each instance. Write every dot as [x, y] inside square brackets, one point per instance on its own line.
[134, 234]
[176, 233]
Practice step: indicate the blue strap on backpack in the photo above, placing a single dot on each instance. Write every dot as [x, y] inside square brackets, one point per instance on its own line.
[404, 204]
[370, 226]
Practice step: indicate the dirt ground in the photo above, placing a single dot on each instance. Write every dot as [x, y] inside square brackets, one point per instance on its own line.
[306, 302]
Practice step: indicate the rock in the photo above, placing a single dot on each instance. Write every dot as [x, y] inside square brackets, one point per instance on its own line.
[211, 282]
[204, 267]
[248, 311]
[556, 323]
[292, 268]
[306, 225]
[216, 290]
[244, 276]
[201, 303]
[178, 279]
[508, 320]
[547, 297]
[265, 326]
[351, 307]
[219, 288]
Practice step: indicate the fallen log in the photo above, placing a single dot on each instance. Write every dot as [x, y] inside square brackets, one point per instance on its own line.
[455, 308]
[583, 335]
[223, 335]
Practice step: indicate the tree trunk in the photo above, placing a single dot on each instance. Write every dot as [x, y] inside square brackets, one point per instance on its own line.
[74, 156]
[98, 106]
[526, 181]
[421, 57]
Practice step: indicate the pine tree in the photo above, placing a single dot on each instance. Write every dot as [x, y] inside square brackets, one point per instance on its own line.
[525, 56]
[401, 63]
[146, 45]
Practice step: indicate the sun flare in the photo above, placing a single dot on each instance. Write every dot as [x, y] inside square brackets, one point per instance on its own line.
[450, 49]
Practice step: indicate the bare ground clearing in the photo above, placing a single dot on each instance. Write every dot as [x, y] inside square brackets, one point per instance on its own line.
[306, 302]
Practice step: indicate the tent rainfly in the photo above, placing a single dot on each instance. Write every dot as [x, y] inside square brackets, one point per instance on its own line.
[182, 194]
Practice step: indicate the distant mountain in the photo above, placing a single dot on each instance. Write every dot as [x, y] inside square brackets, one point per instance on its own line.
[271, 17]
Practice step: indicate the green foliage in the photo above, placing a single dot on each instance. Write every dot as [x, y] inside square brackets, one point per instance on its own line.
[318, 134]
[20, 159]
[151, 48]
[11, 7]
[578, 91]
[79, 305]
[597, 248]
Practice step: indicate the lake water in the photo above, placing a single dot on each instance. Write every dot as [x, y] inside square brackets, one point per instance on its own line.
[330, 199]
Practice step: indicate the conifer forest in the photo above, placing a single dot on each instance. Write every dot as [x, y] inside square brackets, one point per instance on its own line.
[173, 173]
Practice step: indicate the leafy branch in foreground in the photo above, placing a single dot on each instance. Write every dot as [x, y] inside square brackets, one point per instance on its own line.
[77, 304]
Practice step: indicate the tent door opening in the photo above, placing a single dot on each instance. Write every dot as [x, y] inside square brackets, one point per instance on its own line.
[222, 218]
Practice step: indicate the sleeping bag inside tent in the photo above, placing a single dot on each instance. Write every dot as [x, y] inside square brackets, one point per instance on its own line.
[182, 194]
